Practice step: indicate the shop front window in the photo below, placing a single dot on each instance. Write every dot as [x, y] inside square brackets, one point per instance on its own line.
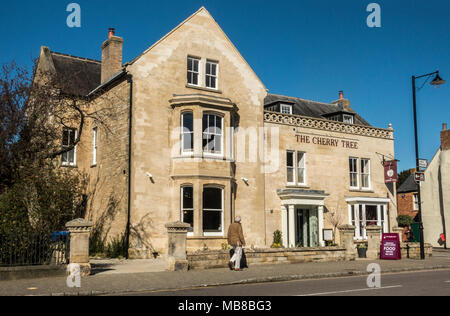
[365, 215]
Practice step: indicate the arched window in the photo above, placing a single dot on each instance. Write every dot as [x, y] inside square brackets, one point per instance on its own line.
[212, 134]
[187, 132]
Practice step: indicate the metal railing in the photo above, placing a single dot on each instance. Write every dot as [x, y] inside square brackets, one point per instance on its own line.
[34, 248]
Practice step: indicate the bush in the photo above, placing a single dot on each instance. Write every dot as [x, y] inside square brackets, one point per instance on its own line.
[404, 220]
[277, 239]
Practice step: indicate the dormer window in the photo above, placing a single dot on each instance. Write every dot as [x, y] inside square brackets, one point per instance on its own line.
[347, 119]
[342, 116]
[286, 109]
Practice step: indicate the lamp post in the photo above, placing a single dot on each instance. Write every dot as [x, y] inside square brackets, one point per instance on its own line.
[437, 81]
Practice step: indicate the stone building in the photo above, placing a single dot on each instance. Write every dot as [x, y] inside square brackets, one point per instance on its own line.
[196, 137]
[435, 194]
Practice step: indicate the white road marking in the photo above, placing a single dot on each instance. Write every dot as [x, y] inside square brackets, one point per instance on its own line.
[350, 291]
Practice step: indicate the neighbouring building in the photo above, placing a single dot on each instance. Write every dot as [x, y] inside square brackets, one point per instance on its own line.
[408, 198]
[435, 194]
[196, 137]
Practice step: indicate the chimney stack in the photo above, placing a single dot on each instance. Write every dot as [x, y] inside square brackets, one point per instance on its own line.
[445, 137]
[111, 56]
[342, 103]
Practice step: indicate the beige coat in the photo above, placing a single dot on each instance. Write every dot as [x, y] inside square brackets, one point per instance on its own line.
[236, 235]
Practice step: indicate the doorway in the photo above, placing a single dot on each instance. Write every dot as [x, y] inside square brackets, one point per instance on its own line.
[306, 227]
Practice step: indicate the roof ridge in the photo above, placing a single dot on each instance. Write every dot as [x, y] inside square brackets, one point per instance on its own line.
[75, 57]
[287, 96]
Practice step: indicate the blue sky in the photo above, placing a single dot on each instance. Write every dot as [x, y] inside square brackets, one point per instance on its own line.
[309, 49]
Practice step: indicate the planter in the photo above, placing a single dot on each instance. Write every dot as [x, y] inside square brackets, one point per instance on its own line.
[362, 252]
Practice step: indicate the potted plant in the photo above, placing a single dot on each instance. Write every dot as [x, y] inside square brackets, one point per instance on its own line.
[362, 250]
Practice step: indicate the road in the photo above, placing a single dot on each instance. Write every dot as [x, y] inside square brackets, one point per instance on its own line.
[425, 283]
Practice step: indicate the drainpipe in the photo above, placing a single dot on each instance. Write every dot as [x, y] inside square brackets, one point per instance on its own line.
[130, 129]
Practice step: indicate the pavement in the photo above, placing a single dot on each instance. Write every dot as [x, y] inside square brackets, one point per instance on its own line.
[142, 276]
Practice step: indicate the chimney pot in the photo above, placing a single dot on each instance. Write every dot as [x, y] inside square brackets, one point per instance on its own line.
[341, 95]
[112, 32]
[444, 126]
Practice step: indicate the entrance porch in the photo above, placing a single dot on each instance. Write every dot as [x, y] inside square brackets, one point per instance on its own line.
[302, 217]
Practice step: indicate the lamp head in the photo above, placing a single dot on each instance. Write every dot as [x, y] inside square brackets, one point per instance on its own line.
[437, 81]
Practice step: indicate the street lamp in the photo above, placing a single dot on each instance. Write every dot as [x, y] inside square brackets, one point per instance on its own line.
[437, 81]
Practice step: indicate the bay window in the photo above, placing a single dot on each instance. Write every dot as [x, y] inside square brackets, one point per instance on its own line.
[187, 132]
[187, 206]
[366, 214]
[212, 134]
[213, 211]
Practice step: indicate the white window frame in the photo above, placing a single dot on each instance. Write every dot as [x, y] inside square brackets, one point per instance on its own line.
[68, 163]
[294, 181]
[286, 106]
[183, 209]
[301, 167]
[185, 132]
[192, 71]
[213, 131]
[365, 173]
[208, 75]
[219, 233]
[359, 216]
[94, 145]
[415, 201]
[350, 119]
[354, 172]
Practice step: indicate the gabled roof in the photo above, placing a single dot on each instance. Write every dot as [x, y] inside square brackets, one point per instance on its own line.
[311, 108]
[409, 185]
[82, 75]
[201, 10]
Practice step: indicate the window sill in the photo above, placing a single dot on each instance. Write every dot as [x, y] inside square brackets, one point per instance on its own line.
[69, 166]
[190, 86]
[93, 166]
[205, 237]
[361, 190]
[297, 186]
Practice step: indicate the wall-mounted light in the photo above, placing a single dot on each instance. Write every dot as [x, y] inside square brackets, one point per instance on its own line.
[150, 176]
[245, 180]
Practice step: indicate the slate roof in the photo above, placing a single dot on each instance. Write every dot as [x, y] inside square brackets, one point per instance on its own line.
[409, 185]
[79, 76]
[311, 108]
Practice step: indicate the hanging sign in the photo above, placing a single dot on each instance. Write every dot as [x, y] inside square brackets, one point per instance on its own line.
[390, 171]
[390, 247]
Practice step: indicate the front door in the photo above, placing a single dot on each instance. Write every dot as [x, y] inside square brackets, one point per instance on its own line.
[307, 230]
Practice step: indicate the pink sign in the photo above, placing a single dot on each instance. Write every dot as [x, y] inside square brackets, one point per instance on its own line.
[390, 247]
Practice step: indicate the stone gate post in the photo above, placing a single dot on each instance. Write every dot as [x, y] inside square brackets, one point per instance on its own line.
[177, 250]
[347, 234]
[374, 242]
[79, 230]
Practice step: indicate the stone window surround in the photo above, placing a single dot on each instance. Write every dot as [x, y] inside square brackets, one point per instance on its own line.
[296, 168]
[198, 184]
[200, 104]
[202, 61]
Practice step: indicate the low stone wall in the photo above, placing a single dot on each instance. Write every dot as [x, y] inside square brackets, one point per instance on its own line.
[31, 272]
[219, 258]
[411, 250]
